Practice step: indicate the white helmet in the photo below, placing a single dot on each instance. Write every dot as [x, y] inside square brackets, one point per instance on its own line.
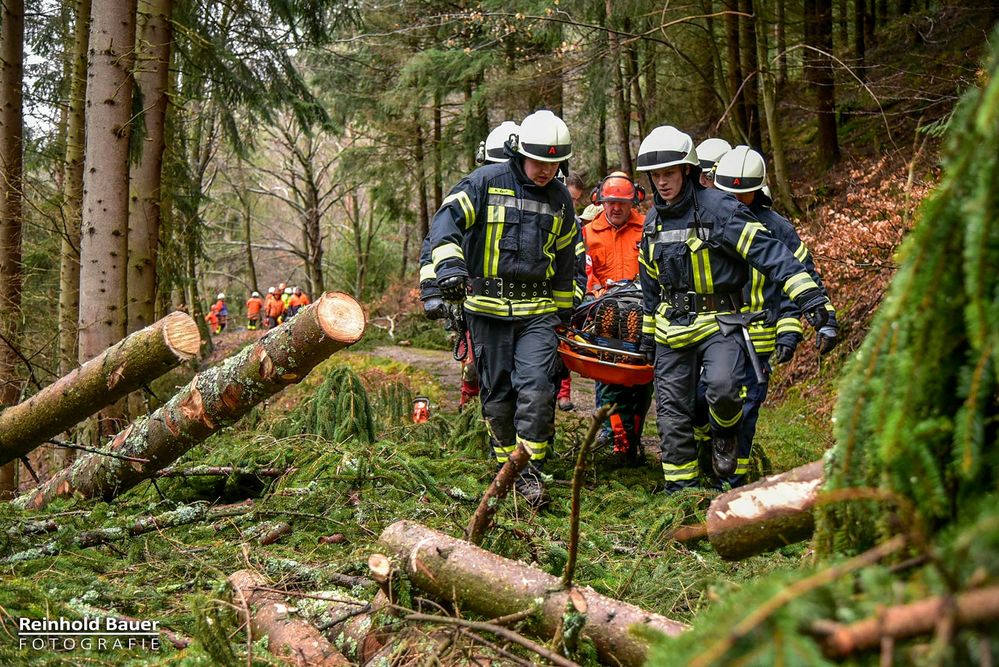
[256, 294]
[287, 290]
[740, 170]
[666, 146]
[709, 150]
[271, 290]
[491, 150]
[544, 137]
[221, 296]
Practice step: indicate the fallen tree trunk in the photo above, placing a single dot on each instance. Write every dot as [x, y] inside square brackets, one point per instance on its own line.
[265, 614]
[223, 471]
[214, 399]
[492, 586]
[766, 514]
[118, 371]
[910, 620]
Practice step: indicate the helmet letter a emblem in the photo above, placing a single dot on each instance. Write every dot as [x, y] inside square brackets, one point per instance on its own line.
[736, 181]
[551, 150]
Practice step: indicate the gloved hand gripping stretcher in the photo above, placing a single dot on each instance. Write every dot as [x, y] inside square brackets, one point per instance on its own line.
[601, 341]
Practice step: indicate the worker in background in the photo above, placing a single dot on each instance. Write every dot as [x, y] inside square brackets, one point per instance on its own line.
[697, 250]
[294, 302]
[221, 312]
[303, 298]
[273, 308]
[742, 172]
[612, 241]
[254, 308]
[515, 283]
[708, 152]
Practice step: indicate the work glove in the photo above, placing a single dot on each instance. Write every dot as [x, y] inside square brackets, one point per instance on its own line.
[565, 316]
[813, 305]
[452, 289]
[648, 347]
[783, 353]
[434, 308]
[826, 339]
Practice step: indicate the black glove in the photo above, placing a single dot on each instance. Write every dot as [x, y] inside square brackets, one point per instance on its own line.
[813, 305]
[434, 308]
[648, 348]
[453, 288]
[826, 339]
[783, 353]
[565, 316]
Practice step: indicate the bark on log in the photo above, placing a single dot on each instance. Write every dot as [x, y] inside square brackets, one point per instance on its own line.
[266, 614]
[910, 620]
[118, 371]
[223, 471]
[214, 399]
[492, 586]
[766, 514]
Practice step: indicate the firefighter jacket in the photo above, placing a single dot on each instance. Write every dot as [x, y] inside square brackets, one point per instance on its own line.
[613, 251]
[273, 307]
[498, 224]
[303, 300]
[253, 306]
[695, 259]
[784, 317]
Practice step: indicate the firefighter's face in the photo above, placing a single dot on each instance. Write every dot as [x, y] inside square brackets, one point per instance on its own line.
[540, 172]
[669, 182]
[617, 212]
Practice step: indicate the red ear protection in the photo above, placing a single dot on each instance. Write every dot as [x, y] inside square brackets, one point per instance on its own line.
[618, 187]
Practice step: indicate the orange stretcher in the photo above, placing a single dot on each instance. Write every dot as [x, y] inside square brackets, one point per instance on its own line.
[581, 357]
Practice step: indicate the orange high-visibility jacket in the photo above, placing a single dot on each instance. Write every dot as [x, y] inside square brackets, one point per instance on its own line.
[253, 306]
[274, 306]
[294, 301]
[613, 252]
[303, 299]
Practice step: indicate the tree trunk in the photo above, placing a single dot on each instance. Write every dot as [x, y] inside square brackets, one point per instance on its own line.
[266, 614]
[11, 157]
[423, 215]
[843, 23]
[104, 243]
[733, 73]
[251, 268]
[437, 149]
[859, 37]
[69, 255]
[635, 76]
[818, 23]
[122, 368]
[750, 68]
[780, 34]
[621, 110]
[971, 608]
[493, 586]
[214, 399]
[602, 169]
[153, 54]
[766, 514]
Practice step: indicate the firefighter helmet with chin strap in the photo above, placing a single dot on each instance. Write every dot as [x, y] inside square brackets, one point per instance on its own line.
[666, 146]
[740, 170]
[491, 150]
[709, 150]
[544, 137]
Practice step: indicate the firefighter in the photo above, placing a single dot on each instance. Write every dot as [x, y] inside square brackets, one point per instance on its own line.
[612, 241]
[253, 307]
[303, 298]
[708, 153]
[742, 173]
[697, 249]
[505, 238]
[273, 308]
[221, 312]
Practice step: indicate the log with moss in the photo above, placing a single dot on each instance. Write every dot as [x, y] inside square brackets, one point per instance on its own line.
[118, 371]
[266, 614]
[213, 400]
[766, 514]
[492, 586]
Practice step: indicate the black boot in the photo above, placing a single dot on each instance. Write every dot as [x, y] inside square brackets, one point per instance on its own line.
[724, 453]
[532, 488]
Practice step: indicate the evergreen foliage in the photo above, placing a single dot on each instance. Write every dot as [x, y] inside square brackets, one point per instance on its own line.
[916, 417]
[337, 410]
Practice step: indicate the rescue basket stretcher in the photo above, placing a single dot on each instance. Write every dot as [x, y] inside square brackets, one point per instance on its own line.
[601, 341]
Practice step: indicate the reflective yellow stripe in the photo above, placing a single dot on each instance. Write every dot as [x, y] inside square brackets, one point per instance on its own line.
[682, 336]
[756, 282]
[747, 236]
[550, 254]
[676, 473]
[741, 466]
[789, 325]
[649, 265]
[537, 450]
[702, 433]
[562, 299]
[466, 206]
[725, 423]
[648, 323]
[577, 292]
[427, 273]
[495, 217]
[801, 254]
[503, 453]
[508, 308]
[798, 283]
[831, 308]
[502, 191]
[764, 337]
[694, 244]
[446, 251]
[565, 240]
[580, 249]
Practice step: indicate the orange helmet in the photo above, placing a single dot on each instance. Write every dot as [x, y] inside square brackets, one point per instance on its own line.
[618, 187]
[280, 287]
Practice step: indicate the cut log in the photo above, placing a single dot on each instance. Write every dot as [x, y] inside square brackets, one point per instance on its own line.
[223, 471]
[120, 370]
[266, 614]
[910, 620]
[214, 399]
[490, 585]
[766, 514]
